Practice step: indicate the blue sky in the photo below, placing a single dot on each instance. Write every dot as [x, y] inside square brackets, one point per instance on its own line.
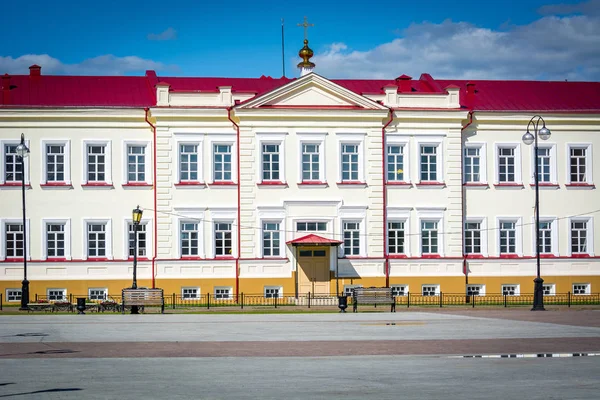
[527, 39]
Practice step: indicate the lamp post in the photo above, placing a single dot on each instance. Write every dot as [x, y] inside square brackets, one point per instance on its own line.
[137, 217]
[22, 153]
[528, 139]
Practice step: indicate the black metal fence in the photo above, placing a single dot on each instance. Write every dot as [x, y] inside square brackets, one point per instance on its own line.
[177, 301]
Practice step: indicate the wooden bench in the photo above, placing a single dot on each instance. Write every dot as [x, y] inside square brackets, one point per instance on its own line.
[373, 296]
[143, 297]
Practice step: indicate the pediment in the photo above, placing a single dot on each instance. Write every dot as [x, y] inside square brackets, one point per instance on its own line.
[311, 91]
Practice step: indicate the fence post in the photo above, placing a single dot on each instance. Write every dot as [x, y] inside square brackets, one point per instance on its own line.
[242, 300]
[0, 301]
[36, 299]
[208, 301]
[308, 299]
[174, 299]
[505, 301]
[569, 299]
[71, 298]
[441, 298]
[473, 300]
[276, 296]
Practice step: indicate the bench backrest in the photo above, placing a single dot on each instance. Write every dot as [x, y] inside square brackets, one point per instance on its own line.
[372, 294]
[148, 296]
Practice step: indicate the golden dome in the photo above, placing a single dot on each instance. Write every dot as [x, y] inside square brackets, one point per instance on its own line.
[305, 54]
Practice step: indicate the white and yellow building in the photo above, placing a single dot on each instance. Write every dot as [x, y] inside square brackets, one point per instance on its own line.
[290, 186]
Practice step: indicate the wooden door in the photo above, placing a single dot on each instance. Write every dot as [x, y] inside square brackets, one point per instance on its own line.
[313, 271]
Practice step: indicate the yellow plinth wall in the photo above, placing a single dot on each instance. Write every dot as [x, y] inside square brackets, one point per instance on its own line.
[256, 286]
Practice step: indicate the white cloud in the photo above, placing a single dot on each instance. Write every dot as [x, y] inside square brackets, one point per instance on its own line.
[168, 34]
[550, 48]
[102, 65]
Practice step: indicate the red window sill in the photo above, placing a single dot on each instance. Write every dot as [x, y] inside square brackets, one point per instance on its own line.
[224, 258]
[474, 256]
[430, 256]
[271, 183]
[93, 184]
[580, 255]
[509, 185]
[312, 183]
[14, 259]
[137, 184]
[475, 184]
[394, 183]
[397, 256]
[97, 259]
[581, 185]
[56, 184]
[222, 184]
[56, 259]
[15, 184]
[547, 256]
[352, 183]
[433, 184]
[130, 258]
[190, 258]
[509, 256]
[545, 184]
[188, 184]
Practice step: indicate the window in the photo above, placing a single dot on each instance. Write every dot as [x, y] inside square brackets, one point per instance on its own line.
[311, 226]
[189, 239]
[310, 162]
[430, 290]
[399, 290]
[350, 162]
[223, 240]
[472, 165]
[57, 294]
[189, 293]
[473, 238]
[97, 163]
[396, 237]
[136, 165]
[429, 237]
[142, 241]
[273, 291]
[13, 295]
[511, 290]
[581, 288]
[311, 155]
[270, 163]
[351, 232]
[546, 237]
[475, 290]
[349, 289]
[544, 163]
[12, 170]
[188, 163]
[271, 241]
[429, 163]
[581, 232]
[506, 165]
[14, 240]
[222, 292]
[55, 240]
[549, 289]
[508, 237]
[395, 163]
[96, 239]
[97, 293]
[580, 164]
[55, 163]
[222, 164]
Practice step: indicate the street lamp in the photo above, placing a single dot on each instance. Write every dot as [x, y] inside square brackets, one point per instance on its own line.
[22, 153]
[528, 139]
[137, 217]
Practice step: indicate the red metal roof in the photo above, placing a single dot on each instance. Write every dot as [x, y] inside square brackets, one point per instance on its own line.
[313, 239]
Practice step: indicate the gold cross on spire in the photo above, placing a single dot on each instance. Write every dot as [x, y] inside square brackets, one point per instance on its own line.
[305, 25]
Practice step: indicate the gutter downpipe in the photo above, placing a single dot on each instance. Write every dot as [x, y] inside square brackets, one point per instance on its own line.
[239, 203]
[383, 168]
[155, 201]
[463, 206]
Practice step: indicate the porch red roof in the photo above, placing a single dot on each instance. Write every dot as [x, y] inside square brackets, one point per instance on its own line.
[314, 239]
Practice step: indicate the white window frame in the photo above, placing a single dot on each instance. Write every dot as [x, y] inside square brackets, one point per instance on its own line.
[405, 237]
[67, 154]
[190, 215]
[356, 139]
[147, 222]
[67, 223]
[480, 288]
[271, 138]
[551, 287]
[482, 163]
[589, 233]
[194, 140]
[3, 143]
[435, 287]
[553, 235]
[516, 286]
[227, 216]
[402, 142]
[482, 221]
[271, 214]
[196, 297]
[64, 293]
[518, 235]
[224, 140]
[214, 241]
[587, 288]
[3, 223]
[434, 214]
[147, 161]
[279, 293]
[105, 290]
[229, 295]
[437, 142]
[518, 163]
[589, 167]
[395, 286]
[281, 238]
[318, 139]
[7, 299]
[553, 164]
[400, 214]
[353, 214]
[109, 236]
[348, 289]
[107, 157]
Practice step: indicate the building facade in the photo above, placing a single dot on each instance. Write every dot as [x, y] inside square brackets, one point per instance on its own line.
[296, 186]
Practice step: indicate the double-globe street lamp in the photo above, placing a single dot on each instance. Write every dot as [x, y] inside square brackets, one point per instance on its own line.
[22, 153]
[137, 218]
[528, 139]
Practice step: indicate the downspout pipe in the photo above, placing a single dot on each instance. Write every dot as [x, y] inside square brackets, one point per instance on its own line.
[155, 252]
[462, 195]
[239, 204]
[383, 171]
